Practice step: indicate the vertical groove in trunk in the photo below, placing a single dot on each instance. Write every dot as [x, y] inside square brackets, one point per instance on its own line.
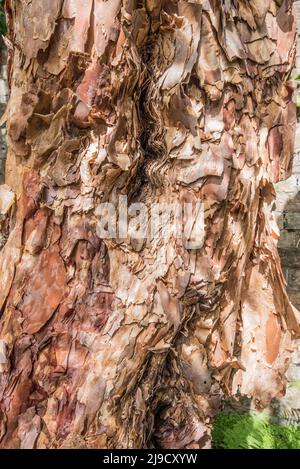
[123, 343]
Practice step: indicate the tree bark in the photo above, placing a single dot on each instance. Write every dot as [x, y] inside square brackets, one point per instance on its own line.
[121, 343]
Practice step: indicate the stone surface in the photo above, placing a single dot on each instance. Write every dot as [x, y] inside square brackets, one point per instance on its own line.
[287, 410]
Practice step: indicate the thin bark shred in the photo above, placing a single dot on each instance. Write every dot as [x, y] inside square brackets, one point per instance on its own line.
[126, 343]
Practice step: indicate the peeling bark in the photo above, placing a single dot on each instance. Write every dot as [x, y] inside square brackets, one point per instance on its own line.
[122, 343]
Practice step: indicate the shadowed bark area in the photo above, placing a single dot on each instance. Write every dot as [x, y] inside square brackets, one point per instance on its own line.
[129, 343]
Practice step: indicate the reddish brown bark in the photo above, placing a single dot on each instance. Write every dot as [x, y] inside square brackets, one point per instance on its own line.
[123, 343]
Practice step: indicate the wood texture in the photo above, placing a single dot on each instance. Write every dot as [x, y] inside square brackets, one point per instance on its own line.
[120, 344]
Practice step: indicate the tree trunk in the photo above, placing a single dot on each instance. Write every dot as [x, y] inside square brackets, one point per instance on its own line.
[123, 342]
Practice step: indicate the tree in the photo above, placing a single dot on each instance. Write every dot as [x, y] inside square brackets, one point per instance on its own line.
[126, 342]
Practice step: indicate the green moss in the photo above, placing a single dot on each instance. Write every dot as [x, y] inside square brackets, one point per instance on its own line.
[237, 431]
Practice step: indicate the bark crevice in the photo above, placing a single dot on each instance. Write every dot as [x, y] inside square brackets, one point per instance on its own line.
[134, 343]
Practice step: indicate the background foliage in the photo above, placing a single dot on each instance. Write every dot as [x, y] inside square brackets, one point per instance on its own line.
[237, 431]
